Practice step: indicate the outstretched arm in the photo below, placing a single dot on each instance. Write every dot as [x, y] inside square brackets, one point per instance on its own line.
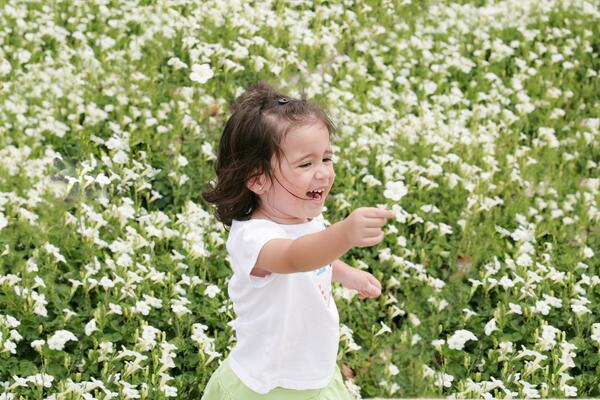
[361, 228]
[340, 271]
[352, 278]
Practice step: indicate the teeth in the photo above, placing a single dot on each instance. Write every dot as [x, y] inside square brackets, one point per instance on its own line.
[316, 194]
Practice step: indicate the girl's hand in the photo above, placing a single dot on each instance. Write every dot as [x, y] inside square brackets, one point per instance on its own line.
[363, 226]
[366, 284]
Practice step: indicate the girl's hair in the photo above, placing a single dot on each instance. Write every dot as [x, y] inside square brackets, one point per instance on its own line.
[261, 118]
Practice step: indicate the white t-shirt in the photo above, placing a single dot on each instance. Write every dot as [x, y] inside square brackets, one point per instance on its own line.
[287, 325]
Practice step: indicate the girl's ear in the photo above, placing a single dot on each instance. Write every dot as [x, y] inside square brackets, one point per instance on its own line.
[257, 184]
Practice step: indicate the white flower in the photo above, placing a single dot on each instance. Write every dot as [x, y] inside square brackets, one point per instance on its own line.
[430, 208]
[445, 229]
[141, 307]
[515, 308]
[524, 260]
[106, 283]
[90, 327]
[153, 301]
[395, 190]
[596, 333]
[469, 313]
[3, 220]
[54, 251]
[179, 308]
[105, 349]
[567, 356]
[5, 68]
[120, 157]
[208, 151]
[553, 301]
[414, 319]
[9, 346]
[529, 390]
[129, 391]
[490, 327]
[148, 338]
[429, 87]
[169, 391]
[442, 304]
[168, 355]
[15, 335]
[36, 344]
[459, 338]
[443, 379]
[346, 335]
[352, 388]
[548, 337]
[41, 379]
[587, 252]
[176, 63]
[181, 161]
[23, 56]
[198, 334]
[427, 372]
[506, 282]
[505, 348]
[384, 328]
[521, 234]
[10, 321]
[60, 337]
[212, 290]
[201, 73]
[124, 260]
[578, 306]
[115, 308]
[568, 390]
[542, 307]
[371, 181]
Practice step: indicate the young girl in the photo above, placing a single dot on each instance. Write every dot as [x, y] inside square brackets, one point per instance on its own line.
[274, 171]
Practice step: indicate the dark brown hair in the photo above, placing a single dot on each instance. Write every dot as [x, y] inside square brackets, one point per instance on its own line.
[261, 117]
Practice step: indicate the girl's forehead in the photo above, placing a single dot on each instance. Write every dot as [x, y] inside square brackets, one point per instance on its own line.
[312, 135]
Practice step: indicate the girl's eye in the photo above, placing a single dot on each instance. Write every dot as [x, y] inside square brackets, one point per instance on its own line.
[307, 164]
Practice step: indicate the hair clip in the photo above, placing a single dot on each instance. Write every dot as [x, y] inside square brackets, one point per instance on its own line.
[282, 100]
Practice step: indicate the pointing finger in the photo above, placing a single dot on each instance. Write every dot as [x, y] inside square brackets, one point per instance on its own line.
[375, 222]
[383, 213]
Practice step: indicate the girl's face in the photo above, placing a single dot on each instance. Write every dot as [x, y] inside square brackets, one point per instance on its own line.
[305, 170]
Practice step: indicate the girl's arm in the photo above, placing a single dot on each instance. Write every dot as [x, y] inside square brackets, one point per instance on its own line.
[306, 253]
[339, 271]
[361, 228]
[352, 278]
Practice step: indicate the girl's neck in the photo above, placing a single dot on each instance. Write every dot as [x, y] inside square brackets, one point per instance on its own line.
[259, 214]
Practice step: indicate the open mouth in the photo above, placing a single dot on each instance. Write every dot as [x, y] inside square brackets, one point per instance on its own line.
[315, 194]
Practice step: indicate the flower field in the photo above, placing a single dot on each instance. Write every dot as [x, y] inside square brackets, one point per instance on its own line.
[476, 122]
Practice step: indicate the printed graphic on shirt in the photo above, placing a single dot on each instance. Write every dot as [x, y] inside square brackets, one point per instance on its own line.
[321, 270]
[323, 278]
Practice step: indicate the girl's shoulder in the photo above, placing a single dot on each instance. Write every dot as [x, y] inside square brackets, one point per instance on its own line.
[253, 224]
[260, 223]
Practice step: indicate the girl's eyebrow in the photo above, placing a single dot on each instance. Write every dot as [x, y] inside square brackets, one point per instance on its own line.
[327, 153]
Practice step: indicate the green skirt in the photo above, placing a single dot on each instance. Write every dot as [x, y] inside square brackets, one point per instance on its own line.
[225, 385]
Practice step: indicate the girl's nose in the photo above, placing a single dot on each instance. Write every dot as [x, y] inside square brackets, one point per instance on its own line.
[323, 172]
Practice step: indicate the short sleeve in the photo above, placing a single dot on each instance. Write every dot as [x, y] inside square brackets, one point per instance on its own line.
[245, 241]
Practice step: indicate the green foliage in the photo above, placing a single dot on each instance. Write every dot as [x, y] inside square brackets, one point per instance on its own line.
[487, 114]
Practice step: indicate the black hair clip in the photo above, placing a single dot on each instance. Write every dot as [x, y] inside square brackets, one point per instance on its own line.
[282, 100]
